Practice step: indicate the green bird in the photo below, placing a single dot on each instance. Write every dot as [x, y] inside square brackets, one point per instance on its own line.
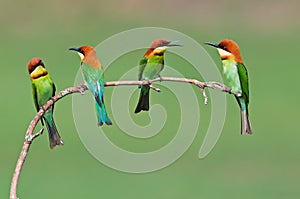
[236, 74]
[94, 78]
[43, 89]
[149, 68]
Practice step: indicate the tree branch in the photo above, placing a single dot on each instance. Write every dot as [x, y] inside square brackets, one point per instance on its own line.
[201, 85]
[81, 88]
[29, 137]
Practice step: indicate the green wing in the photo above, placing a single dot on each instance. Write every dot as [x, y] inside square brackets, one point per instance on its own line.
[35, 98]
[244, 81]
[142, 65]
[53, 92]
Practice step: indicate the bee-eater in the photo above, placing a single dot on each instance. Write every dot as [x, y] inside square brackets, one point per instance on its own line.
[236, 74]
[150, 67]
[93, 76]
[43, 89]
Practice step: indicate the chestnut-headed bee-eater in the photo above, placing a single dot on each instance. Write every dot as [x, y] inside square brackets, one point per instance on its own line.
[150, 67]
[93, 76]
[236, 74]
[43, 89]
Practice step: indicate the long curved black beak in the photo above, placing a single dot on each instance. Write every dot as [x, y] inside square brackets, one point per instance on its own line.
[174, 43]
[212, 44]
[75, 49]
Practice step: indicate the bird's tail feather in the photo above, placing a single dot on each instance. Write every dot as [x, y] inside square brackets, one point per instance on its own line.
[246, 128]
[143, 104]
[54, 137]
[102, 114]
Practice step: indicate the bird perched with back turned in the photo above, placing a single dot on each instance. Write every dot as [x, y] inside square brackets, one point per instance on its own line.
[43, 89]
[150, 67]
[236, 74]
[93, 76]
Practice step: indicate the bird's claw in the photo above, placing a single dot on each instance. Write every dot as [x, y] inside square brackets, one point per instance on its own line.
[81, 91]
[160, 78]
[81, 88]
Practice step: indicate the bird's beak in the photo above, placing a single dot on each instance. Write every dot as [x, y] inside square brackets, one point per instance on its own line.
[174, 43]
[81, 55]
[75, 49]
[212, 44]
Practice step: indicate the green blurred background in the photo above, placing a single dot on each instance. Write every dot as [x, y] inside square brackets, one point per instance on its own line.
[265, 165]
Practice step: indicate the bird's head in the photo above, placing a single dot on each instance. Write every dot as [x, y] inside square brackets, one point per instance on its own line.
[159, 46]
[34, 63]
[228, 49]
[84, 51]
[87, 54]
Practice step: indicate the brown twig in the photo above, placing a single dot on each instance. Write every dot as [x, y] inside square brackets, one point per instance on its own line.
[81, 88]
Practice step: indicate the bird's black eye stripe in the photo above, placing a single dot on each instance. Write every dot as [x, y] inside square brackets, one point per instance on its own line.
[159, 53]
[40, 63]
[224, 48]
[81, 51]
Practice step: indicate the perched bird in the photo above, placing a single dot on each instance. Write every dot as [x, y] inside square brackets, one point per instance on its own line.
[150, 67]
[93, 76]
[43, 89]
[236, 74]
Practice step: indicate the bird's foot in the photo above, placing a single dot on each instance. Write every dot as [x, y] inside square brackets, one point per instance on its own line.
[44, 110]
[160, 78]
[81, 88]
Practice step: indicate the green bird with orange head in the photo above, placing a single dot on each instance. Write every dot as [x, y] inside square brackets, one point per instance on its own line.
[43, 89]
[237, 76]
[94, 78]
[150, 67]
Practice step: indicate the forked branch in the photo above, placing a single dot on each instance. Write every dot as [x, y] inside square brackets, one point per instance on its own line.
[81, 88]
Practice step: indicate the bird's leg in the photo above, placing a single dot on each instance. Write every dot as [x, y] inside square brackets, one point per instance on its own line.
[160, 78]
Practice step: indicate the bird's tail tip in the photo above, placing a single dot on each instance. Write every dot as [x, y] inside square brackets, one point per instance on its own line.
[107, 122]
[246, 127]
[54, 137]
[143, 104]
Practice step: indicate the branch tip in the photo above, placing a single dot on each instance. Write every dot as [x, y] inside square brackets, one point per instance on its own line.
[154, 88]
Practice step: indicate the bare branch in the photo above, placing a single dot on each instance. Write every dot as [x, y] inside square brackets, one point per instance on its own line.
[201, 85]
[81, 88]
[29, 137]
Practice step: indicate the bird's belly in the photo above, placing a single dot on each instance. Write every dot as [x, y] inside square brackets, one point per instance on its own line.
[232, 76]
[152, 71]
[44, 92]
